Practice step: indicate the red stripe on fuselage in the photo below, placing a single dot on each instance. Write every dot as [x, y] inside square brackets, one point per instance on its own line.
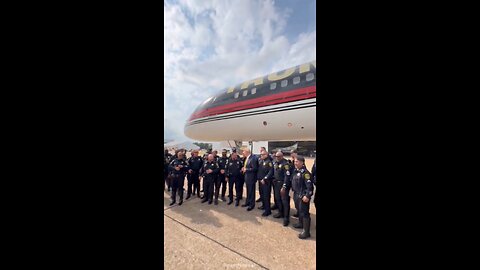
[289, 96]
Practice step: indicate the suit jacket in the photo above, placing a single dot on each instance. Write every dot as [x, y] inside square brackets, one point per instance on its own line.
[251, 169]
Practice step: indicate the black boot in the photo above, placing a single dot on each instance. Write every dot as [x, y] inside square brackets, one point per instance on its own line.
[216, 195]
[278, 215]
[172, 203]
[306, 229]
[188, 197]
[285, 222]
[299, 225]
[181, 198]
[216, 202]
[274, 207]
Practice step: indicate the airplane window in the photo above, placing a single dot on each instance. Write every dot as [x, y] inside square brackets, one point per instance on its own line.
[273, 86]
[296, 80]
[254, 90]
[309, 77]
[236, 95]
[284, 83]
[245, 93]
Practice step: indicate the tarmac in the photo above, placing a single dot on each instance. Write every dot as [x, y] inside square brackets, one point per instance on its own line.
[202, 236]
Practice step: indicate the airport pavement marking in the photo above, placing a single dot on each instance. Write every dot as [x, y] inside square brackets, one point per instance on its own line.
[213, 240]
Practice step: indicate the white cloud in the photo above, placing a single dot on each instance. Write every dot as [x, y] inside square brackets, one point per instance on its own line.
[211, 45]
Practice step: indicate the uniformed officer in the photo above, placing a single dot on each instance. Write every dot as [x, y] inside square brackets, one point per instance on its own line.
[264, 176]
[272, 159]
[268, 155]
[209, 171]
[205, 159]
[260, 190]
[281, 170]
[293, 155]
[271, 186]
[234, 176]
[175, 156]
[179, 168]
[195, 164]
[302, 186]
[242, 175]
[166, 160]
[220, 181]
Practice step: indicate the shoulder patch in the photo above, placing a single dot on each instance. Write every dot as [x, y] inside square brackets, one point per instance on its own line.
[286, 167]
[307, 176]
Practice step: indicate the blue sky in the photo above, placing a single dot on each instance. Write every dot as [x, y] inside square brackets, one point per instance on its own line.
[214, 44]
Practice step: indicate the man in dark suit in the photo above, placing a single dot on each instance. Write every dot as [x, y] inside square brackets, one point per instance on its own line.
[249, 169]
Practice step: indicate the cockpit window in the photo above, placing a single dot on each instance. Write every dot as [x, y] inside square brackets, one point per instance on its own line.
[208, 100]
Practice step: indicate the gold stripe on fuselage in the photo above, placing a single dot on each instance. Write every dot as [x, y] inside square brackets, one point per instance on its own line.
[303, 68]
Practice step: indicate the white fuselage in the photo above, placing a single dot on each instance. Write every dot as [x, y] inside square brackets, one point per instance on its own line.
[292, 121]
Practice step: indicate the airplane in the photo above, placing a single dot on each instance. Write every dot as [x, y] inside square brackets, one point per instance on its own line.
[277, 107]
